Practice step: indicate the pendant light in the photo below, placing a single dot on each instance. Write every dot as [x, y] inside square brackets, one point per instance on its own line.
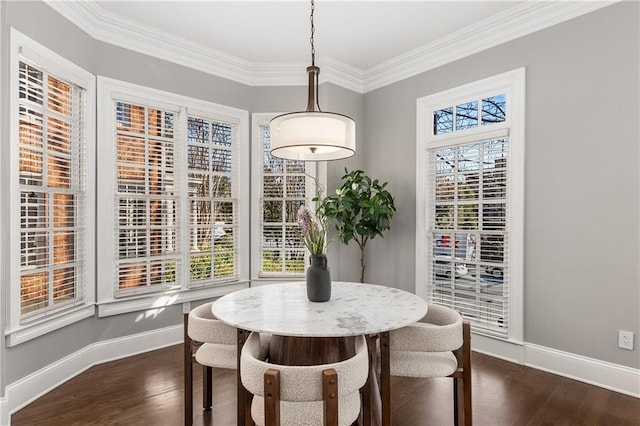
[312, 135]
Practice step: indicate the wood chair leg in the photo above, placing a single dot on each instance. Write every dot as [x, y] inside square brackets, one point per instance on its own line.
[244, 397]
[207, 387]
[462, 408]
[467, 403]
[385, 378]
[272, 397]
[188, 375]
[466, 374]
[456, 403]
[330, 397]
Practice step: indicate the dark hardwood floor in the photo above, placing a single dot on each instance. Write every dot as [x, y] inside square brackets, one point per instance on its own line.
[147, 390]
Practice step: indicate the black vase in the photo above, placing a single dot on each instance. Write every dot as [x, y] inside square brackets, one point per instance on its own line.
[318, 279]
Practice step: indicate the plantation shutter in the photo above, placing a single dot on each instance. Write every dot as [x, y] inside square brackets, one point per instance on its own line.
[212, 146]
[468, 231]
[52, 177]
[148, 220]
[284, 188]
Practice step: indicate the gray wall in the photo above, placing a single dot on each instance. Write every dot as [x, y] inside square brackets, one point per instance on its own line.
[344, 261]
[59, 35]
[582, 107]
[581, 281]
[55, 32]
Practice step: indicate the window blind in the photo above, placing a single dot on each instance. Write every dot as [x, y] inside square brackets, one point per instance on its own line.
[148, 220]
[468, 234]
[283, 190]
[52, 177]
[213, 200]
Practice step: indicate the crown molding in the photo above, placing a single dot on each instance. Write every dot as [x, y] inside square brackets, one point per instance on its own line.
[498, 29]
[501, 28]
[288, 74]
[113, 29]
[278, 74]
[341, 74]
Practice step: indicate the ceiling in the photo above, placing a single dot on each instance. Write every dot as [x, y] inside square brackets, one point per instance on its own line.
[357, 33]
[360, 44]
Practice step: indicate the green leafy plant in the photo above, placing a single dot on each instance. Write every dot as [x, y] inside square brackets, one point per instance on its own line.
[362, 209]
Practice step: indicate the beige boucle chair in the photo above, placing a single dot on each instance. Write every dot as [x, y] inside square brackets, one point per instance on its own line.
[326, 394]
[436, 346]
[215, 346]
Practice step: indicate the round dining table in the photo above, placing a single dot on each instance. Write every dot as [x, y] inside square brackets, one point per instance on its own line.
[305, 332]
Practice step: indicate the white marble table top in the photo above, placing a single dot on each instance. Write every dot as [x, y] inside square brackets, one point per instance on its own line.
[354, 309]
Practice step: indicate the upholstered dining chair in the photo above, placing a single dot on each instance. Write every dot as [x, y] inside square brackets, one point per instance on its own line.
[325, 394]
[210, 343]
[439, 345]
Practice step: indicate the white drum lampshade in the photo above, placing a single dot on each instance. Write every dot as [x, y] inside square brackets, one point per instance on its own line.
[313, 136]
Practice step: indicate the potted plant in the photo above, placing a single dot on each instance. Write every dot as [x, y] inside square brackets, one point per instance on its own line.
[313, 229]
[362, 209]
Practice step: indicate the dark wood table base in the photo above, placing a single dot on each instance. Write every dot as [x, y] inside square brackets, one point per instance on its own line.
[385, 379]
[285, 350]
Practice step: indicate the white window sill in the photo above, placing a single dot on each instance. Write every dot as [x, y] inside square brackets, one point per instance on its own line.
[158, 301]
[46, 325]
[268, 279]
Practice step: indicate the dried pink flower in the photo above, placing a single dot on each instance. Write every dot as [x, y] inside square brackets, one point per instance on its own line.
[313, 230]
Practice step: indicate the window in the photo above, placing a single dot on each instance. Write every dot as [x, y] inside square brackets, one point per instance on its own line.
[212, 202]
[51, 149]
[173, 193]
[470, 202]
[146, 199]
[280, 187]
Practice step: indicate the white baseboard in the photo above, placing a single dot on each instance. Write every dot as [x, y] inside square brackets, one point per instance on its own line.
[604, 374]
[4, 413]
[31, 387]
[506, 350]
[607, 375]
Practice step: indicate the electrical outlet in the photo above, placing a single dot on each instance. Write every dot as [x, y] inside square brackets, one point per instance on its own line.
[625, 339]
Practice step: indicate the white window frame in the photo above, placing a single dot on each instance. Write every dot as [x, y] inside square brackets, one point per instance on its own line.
[3, 417]
[59, 66]
[317, 170]
[110, 90]
[511, 83]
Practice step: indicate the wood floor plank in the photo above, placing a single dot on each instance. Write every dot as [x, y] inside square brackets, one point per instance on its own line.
[147, 389]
